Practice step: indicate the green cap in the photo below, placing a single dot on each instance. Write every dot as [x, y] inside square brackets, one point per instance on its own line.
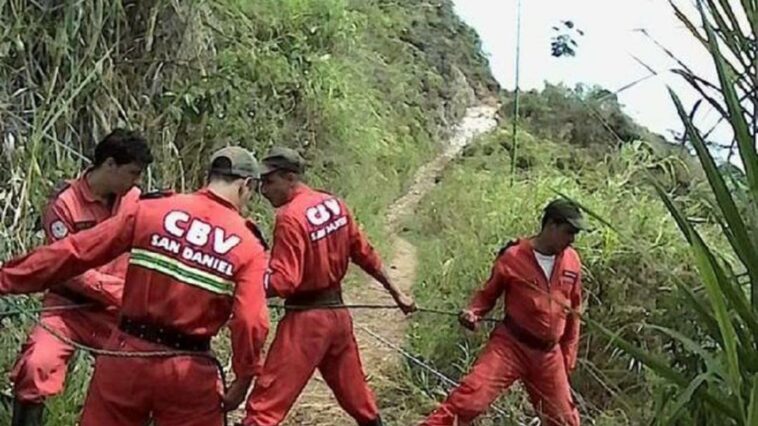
[235, 161]
[281, 158]
[568, 211]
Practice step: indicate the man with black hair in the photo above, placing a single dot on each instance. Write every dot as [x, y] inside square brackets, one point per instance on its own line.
[540, 280]
[194, 263]
[104, 189]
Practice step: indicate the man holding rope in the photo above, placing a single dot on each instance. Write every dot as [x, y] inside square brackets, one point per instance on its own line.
[194, 261]
[315, 237]
[540, 279]
[104, 189]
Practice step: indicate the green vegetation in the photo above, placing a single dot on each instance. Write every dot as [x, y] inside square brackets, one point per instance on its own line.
[631, 273]
[364, 88]
[669, 336]
[721, 385]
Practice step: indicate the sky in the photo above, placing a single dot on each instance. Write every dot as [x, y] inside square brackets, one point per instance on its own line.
[605, 55]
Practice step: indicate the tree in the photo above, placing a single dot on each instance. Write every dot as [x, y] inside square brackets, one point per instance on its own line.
[564, 41]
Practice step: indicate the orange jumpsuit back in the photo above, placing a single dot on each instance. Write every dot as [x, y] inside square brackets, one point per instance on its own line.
[194, 262]
[315, 237]
[537, 343]
[41, 368]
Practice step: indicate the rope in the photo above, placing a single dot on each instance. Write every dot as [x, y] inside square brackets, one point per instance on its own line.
[136, 354]
[375, 306]
[452, 383]
[176, 353]
[17, 312]
[21, 311]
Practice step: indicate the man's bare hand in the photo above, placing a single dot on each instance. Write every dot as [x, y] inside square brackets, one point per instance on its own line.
[405, 303]
[236, 394]
[468, 319]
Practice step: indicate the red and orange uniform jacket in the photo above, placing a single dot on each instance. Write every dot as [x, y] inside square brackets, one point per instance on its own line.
[302, 258]
[73, 208]
[193, 263]
[545, 308]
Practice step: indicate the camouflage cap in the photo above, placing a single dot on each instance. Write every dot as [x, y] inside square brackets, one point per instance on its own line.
[235, 161]
[568, 211]
[281, 158]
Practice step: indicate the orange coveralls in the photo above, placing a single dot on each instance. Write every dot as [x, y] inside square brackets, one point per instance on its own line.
[315, 237]
[40, 370]
[193, 262]
[536, 344]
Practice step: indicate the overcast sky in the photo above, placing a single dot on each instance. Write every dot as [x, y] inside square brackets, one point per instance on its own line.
[605, 53]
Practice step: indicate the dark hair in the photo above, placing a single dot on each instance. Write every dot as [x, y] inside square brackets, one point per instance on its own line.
[125, 147]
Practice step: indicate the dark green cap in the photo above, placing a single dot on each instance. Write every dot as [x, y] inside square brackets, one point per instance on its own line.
[235, 161]
[567, 211]
[281, 158]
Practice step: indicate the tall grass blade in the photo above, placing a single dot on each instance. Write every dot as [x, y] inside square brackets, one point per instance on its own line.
[661, 368]
[719, 303]
[745, 142]
[737, 233]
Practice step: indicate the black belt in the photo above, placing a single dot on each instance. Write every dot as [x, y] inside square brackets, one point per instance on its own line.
[75, 297]
[164, 335]
[526, 337]
[315, 299]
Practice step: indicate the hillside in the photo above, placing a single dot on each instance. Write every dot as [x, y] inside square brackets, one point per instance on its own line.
[371, 92]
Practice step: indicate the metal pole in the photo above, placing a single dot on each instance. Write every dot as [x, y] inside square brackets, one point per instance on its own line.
[514, 152]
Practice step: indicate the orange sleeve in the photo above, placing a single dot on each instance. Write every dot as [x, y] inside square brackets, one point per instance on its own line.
[362, 253]
[285, 271]
[486, 298]
[58, 224]
[66, 258]
[570, 340]
[249, 324]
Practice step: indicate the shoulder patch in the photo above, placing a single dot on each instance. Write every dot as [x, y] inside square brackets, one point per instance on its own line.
[161, 193]
[257, 232]
[58, 229]
[508, 245]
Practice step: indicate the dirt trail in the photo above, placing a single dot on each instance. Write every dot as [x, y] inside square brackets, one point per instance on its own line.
[316, 405]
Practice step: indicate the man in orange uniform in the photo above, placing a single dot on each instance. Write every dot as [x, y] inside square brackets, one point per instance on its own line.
[315, 237]
[101, 191]
[540, 279]
[194, 261]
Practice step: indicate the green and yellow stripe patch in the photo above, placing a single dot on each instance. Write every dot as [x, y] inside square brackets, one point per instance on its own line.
[181, 272]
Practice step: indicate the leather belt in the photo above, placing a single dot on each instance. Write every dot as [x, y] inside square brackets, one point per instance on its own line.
[315, 299]
[526, 337]
[75, 297]
[164, 335]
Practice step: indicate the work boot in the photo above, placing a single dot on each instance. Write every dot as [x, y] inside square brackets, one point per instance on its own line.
[27, 413]
[376, 422]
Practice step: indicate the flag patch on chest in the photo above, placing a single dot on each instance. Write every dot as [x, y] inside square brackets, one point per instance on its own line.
[85, 224]
[569, 277]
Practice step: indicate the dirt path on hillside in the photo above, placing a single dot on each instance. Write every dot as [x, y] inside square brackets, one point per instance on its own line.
[316, 405]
